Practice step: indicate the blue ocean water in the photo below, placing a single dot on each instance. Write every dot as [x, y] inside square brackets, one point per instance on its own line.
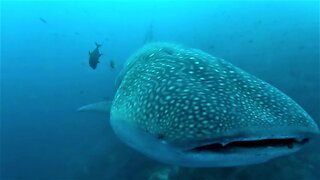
[45, 77]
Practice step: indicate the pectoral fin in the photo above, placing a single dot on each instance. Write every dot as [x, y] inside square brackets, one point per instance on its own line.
[100, 107]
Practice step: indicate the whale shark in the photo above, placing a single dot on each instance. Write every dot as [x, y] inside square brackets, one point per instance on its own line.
[185, 107]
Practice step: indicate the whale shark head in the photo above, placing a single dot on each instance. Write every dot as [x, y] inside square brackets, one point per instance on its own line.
[185, 107]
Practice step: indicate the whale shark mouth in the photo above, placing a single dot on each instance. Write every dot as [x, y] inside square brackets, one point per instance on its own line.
[250, 144]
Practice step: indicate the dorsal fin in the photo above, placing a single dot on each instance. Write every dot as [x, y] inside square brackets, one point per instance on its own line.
[98, 45]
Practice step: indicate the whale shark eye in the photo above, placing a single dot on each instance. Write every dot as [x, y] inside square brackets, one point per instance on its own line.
[160, 136]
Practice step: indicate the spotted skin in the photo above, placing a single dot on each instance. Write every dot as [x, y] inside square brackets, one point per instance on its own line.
[183, 96]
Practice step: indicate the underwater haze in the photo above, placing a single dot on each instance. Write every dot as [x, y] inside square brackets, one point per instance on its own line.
[45, 77]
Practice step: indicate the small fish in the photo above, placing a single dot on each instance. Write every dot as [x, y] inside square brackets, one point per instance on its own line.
[112, 64]
[43, 20]
[94, 56]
